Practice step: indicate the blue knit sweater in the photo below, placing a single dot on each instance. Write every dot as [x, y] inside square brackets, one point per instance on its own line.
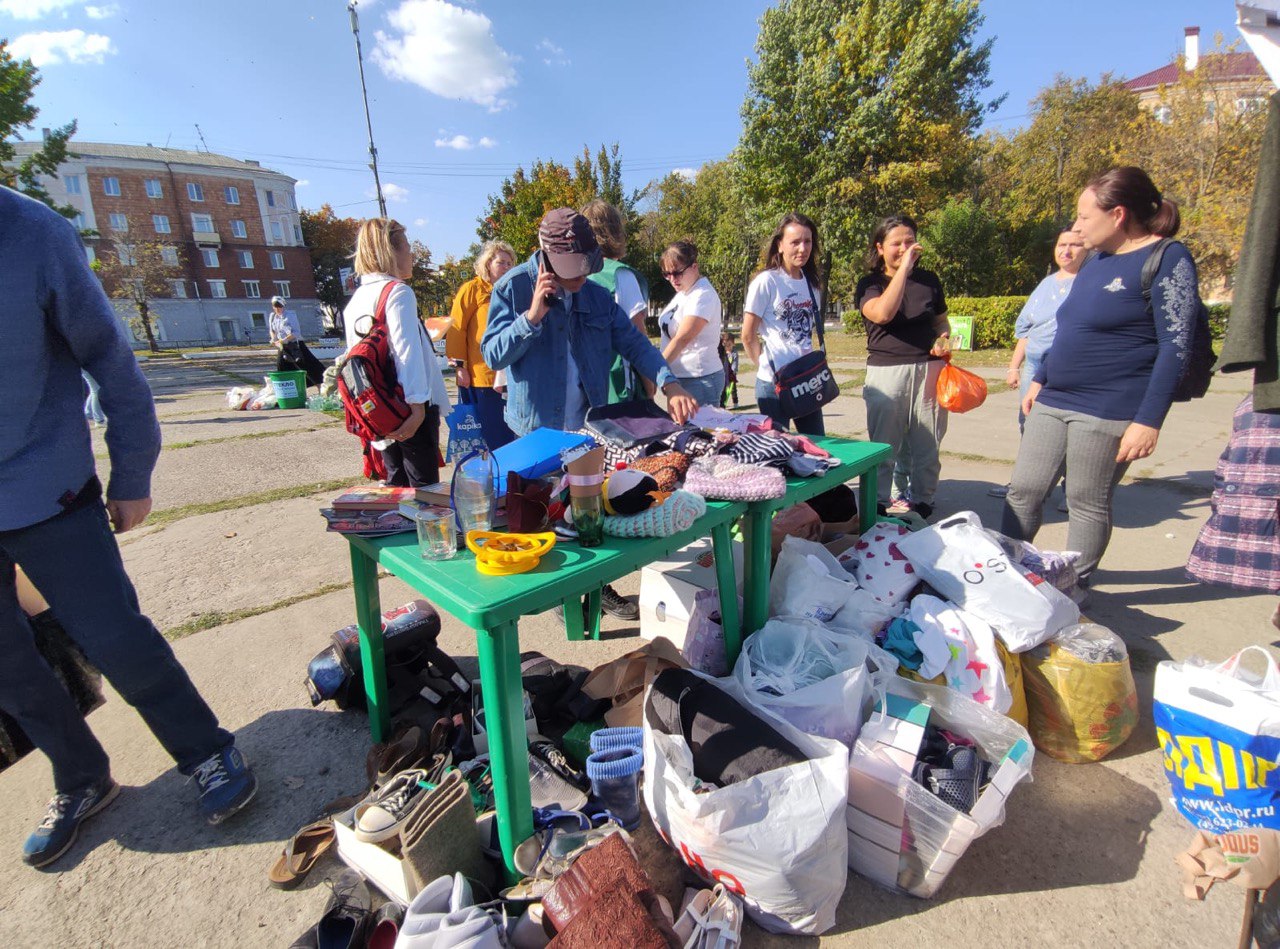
[54, 321]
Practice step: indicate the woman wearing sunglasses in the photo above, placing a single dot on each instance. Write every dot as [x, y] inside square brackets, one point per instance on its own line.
[782, 313]
[690, 325]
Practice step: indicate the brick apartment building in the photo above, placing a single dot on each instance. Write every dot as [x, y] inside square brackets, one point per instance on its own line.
[233, 226]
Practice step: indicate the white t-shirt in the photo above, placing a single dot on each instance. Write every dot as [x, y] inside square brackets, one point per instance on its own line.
[785, 309]
[699, 357]
[628, 294]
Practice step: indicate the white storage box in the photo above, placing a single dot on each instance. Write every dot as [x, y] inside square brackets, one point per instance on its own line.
[384, 870]
[668, 587]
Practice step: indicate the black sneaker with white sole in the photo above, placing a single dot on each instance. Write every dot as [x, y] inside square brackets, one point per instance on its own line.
[615, 604]
[61, 824]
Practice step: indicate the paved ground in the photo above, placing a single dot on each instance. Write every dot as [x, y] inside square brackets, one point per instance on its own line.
[1085, 856]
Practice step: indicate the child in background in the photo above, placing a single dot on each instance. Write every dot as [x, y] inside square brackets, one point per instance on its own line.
[729, 359]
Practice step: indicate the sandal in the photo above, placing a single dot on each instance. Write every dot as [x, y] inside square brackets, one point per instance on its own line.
[301, 853]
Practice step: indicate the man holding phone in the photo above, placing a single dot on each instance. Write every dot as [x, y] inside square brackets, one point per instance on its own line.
[555, 333]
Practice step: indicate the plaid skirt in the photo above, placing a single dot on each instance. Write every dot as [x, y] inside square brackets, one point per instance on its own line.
[1239, 546]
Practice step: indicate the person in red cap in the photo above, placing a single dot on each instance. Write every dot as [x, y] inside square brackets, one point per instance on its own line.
[556, 333]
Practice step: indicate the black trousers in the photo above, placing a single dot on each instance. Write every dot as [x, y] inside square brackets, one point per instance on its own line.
[295, 355]
[415, 462]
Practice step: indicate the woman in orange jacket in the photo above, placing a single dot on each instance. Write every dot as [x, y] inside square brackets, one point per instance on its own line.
[467, 324]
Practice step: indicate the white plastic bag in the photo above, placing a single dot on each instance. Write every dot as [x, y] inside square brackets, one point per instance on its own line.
[704, 646]
[821, 681]
[961, 561]
[1219, 729]
[238, 397]
[778, 839]
[265, 399]
[808, 581]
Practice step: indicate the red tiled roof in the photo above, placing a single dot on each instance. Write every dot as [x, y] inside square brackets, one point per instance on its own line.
[1225, 66]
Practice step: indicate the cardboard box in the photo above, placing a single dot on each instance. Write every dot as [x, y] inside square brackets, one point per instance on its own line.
[668, 588]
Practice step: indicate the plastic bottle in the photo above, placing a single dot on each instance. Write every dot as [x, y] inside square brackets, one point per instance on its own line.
[473, 491]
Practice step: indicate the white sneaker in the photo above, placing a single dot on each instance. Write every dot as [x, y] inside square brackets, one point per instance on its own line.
[444, 916]
[382, 814]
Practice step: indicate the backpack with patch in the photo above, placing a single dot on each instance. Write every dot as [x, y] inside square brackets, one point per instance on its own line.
[372, 397]
[1196, 375]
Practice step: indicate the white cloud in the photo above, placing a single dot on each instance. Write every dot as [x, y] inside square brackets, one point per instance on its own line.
[302, 183]
[104, 12]
[67, 46]
[464, 143]
[686, 173]
[394, 192]
[33, 9]
[552, 55]
[446, 50]
[419, 222]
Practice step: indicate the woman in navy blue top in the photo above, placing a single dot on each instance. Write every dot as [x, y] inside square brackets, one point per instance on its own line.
[1106, 384]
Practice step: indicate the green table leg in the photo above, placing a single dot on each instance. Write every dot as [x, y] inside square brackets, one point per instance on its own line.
[592, 618]
[867, 500]
[756, 569]
[730, 622]
[573, 625]
[364, 575]
[503, 695]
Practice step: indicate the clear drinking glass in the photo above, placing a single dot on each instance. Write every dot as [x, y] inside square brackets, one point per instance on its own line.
[436, 539]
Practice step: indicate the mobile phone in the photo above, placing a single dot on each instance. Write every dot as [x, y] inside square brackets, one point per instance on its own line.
[544, 264]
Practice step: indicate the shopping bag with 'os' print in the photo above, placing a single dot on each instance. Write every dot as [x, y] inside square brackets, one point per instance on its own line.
[1219, 731]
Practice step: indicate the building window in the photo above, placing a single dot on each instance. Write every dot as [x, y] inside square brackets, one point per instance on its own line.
[271, 199]
[218, 289]
[232, 194]
[277, 260]
[210, 256]
[179, 288]
[282, 289]
[195, 191]
[89, 254]
[161, 222]
[293, 205]
[73, 184]
[1247, 105]
[119, 222]
[239, 230]
[259, 321]
[277, 234]
[154, 188]
[111, 187]
[246, 259]
[1162, 113]
[78, 221]
[297, 233]
[169, 254]
[124, 254]
[202, 223]
[251, 289]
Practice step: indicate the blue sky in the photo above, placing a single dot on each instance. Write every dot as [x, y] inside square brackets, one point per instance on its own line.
[463, 92]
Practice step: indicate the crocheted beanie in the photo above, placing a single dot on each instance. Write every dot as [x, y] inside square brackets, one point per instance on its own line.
[675, 514]
[722, 477]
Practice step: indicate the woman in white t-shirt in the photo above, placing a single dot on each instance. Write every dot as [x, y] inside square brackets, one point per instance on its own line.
[781, 315]
[690, 325]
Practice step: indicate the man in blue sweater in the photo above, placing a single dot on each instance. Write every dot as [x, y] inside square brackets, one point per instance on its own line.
[55, 321]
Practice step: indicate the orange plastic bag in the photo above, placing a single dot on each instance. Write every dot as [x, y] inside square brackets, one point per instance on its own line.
[960, 390]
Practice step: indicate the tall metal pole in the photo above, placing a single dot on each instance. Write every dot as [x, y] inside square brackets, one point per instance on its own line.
[373, 151]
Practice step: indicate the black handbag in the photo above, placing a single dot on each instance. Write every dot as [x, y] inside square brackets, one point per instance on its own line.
[806, 384]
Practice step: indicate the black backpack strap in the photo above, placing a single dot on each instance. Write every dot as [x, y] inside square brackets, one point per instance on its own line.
[1151, 266]
[817, 316]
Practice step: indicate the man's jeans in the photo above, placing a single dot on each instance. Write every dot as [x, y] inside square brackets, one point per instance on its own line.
[73, 560]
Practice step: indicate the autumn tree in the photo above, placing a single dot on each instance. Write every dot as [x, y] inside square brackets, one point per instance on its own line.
[858, 108]
[18, 81]
[331, 241]
[138, 272]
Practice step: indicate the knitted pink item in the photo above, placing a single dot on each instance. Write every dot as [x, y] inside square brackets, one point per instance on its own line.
[675, 514]
[725, 479]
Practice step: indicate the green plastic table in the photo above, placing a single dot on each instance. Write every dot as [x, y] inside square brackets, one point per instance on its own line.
[492, 606]
[858, 459]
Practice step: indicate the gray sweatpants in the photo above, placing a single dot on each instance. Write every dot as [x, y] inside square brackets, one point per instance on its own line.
[1088, 446]
[903, 411]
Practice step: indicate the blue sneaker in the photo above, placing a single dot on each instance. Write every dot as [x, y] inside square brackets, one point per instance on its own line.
[61, 824]
[226, 784]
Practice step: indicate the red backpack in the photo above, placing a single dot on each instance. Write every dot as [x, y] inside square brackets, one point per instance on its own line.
[371, 394]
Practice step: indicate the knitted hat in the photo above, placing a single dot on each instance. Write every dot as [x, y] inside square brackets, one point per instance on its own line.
[721, 477]
[675, 514]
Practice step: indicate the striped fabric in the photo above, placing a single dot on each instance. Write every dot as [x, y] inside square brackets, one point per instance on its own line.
[1240, 545]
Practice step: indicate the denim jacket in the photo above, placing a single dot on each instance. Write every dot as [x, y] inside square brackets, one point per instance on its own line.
[534, 356]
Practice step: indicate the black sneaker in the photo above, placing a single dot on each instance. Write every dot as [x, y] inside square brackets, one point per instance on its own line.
[553, 756]
[924, 510]
[346, 917]
[57, 832]
[615, 604]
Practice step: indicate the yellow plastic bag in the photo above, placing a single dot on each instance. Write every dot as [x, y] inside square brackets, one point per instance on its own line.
[1013, 676]
[1080, 711]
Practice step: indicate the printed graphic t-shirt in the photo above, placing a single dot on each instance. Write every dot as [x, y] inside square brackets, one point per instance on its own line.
[786, 310]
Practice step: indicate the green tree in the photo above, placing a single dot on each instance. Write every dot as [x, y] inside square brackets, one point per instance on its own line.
[857, 108]
[138, 273]
[18, 81]
[331, 241]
